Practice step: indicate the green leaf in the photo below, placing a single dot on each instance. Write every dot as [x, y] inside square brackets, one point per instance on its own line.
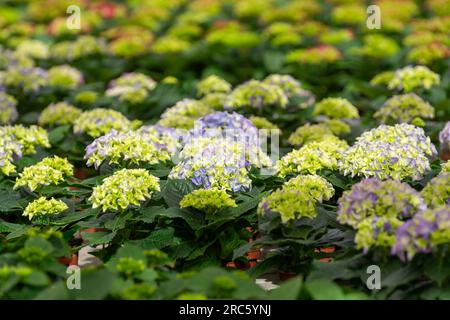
[157, 239]
[97, 238]
[321, 289]
[174, 190]
[95, 284]
[436, 271]
[289, 290]
[11, 201]
[57, 291]
[150, 214]
[37, 278]
[9, 227]
[57, 135]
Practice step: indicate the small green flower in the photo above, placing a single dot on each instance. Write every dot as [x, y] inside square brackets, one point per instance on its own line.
[446, 167]
[336, 108]
[59, 114]
[258, 95]
[377, 46]
[312, 157]
[129, 266]
[337, 126]
[208, 200]
[383, 78]
[29, 138]
[6, 271]
[376, 232]
[192, 296]
[64, 76]
[404, 108]
[309, 133]
[263, 123]
[44, 208]
[212, 84]
[139, 291]
[184, 113]
[32, 255]
[97, 122]
[411, 78]
[437, 191]
[8, 111]
[297, 198]
[124, 188]
[86, 97]
[46, 172]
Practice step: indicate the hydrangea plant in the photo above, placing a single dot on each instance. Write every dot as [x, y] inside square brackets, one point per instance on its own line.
[60, 113]
[208, 200]
[336, 108]
[297, 198]
[372, 197]
[257, 95]
[437, 191]
[125, 188]
[131, 87]
[50, 170]
[411, 78]
[212, 84]
[406, 108]
[8, 111]
[396, 152]
[65, 76]
[43, 207]
[100, 121]
[184, 113]
[312, 157]
[131, 147]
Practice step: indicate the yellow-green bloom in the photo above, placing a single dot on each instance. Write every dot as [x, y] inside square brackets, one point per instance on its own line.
[297, 198]
[33, 49]
[46, 172]
[437, 191]
[312, 157]
[208, 200]
[263, 123]
[377, 46]
[258, 95]
[184, 113]
[411, 78]
[406, 108]
[336, 108]
[59, 114]
[8, 111]
[43, 207]
[212, 84]
[65, 76]
[126, 187]
[100, 121]
[309, 133]
[377, 232]
[131, 147]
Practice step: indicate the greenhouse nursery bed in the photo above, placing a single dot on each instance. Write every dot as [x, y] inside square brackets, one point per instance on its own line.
[224, 149]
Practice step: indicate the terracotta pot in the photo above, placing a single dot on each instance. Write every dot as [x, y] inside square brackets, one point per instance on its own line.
[72, 261]
[285, 275]
[93, 230]
[237, 265]
[445, 155]
[81, 173]
[325, 250]
[254, 255]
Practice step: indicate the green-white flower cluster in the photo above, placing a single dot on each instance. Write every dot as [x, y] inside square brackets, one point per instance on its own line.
[33, 49]
[437, 191]
[258, 95]
[50, 170]
[336, 108]
[292, 89]
[18, 140]
[60, 113]
[376, 209]
[212, 84]
[396, 152]
[131, 87]
[312, 157]
[28, 79]
[184, 113]
[410, 78]
[43, 207]
[405, 108]
[318, 132]
[208, 200]
[100, 121]
[126, 148]
[297, 198]
[8, 111]
[126, 187]
[64, 76]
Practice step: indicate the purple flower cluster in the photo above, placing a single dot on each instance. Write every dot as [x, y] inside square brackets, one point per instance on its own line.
[422, 233]
[444, 137]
